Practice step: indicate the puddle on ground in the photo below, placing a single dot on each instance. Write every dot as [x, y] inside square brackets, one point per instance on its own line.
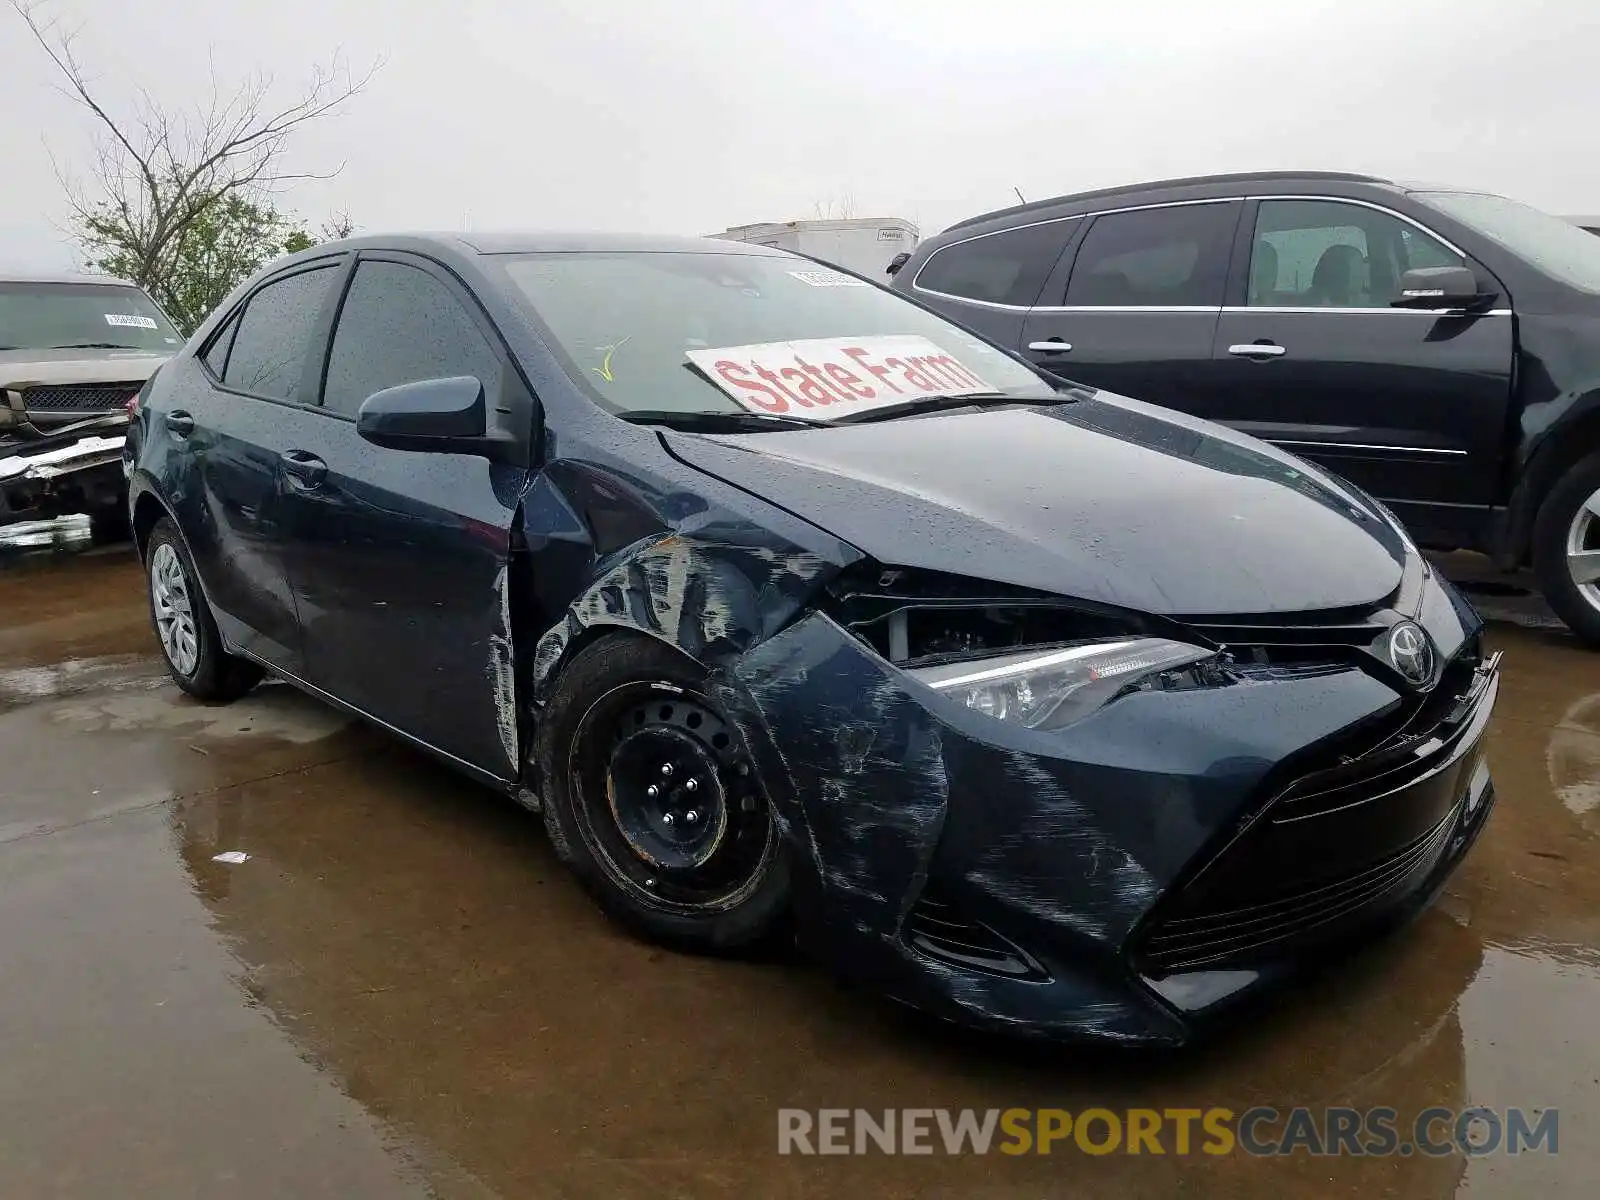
[1573, 760]
[401, 961]
[75, 676]
[274, 710]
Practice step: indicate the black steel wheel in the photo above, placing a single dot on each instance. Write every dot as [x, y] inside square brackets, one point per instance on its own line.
[653, 800]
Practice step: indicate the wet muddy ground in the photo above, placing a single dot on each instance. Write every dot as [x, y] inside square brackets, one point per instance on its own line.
[400, 993]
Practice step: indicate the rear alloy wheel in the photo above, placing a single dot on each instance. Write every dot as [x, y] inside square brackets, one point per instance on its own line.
[653, 801]
[173, 611]
[1566, 548]
[184, 627]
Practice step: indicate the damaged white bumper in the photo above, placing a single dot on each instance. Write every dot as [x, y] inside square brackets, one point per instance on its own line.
[72, 473]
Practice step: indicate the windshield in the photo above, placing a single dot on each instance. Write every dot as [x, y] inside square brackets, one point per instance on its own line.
[716, 332]
[1559, 248]
[45, 316]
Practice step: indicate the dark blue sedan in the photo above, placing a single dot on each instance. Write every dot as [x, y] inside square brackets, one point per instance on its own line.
[791, 605]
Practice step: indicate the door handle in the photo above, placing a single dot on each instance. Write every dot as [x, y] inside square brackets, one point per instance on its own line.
[1261, 350]
[179, 423]
[1052, 346]
[304, 467]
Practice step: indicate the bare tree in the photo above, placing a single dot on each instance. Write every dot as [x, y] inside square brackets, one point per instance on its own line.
[840, 208]
[339, 225]
[157, 172]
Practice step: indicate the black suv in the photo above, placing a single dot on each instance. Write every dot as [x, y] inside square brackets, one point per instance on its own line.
[1440, 348]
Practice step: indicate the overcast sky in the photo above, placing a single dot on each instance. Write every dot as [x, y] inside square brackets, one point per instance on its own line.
[691, 115]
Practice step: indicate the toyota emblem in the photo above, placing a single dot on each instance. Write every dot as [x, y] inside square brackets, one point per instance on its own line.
[1411, 652]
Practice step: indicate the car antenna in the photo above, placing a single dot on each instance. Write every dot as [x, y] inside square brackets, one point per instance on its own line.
[1018, 191]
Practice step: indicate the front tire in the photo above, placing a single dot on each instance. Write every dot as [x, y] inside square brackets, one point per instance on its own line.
[185, 629]
[652, 800]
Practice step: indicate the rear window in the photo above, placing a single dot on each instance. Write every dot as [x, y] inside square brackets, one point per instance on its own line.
[999, 268]
[53, 316]
[1171, 257]
[637, 329]
[273, 337]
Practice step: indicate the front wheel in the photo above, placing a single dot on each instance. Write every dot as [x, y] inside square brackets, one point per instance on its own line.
[1566, 548]
[652, 800]
[185, 628]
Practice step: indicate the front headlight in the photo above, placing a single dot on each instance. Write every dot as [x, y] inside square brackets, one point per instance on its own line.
[1045, 689]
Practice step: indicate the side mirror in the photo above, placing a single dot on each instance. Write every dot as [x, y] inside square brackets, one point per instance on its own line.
[898, 261]
[432, 414]
[1439, 287]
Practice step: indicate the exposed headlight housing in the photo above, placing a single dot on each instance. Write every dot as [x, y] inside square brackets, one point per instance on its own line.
[1046, 689]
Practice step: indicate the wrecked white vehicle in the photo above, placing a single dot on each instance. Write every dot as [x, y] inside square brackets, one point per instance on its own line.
[74, 350]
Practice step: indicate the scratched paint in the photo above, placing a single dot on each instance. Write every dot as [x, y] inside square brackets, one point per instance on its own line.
[503, 670]
[710, 596]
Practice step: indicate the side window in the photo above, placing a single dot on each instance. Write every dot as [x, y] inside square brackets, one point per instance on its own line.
[1324, 254]
[274, 334]
[1002, 268]
[400, 325]
[216, 356]
[1420, 250]
[1156, 257]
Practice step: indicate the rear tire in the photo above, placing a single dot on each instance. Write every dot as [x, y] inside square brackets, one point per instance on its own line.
[184, 627]
[651, 799]
[1566, 548]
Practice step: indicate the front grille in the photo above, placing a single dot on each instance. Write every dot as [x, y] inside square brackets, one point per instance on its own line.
[939, 929]
[1231, 936]
[1261, 642]
[1355, 824]
[1384, 754]
[79, 398]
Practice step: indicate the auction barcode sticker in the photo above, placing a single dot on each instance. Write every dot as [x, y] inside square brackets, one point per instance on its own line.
[130, 320]
[828, 279]
[827, 378]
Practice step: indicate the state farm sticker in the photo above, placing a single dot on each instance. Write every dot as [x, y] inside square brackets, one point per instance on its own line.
[827, 378]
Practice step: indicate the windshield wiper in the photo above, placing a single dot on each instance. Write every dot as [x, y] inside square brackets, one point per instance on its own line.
[93, 346]
[927, 404]
[716, 422]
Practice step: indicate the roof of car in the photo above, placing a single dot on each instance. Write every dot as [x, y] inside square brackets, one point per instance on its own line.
[553, 241]
[1163, 185]
[58, 277]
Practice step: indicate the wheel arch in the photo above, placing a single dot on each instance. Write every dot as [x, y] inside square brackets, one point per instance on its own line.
[709, 601]
[1561, 448]
[146, 509]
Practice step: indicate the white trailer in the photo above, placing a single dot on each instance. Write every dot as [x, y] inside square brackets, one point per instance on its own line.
[865, 246]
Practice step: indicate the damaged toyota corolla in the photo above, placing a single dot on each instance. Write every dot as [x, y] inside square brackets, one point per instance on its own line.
[791, 605]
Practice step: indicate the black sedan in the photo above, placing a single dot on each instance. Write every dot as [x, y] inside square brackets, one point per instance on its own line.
[790, 604]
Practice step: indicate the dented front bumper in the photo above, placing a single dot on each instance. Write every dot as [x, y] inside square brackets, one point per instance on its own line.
[1019, 880]
[75, 470]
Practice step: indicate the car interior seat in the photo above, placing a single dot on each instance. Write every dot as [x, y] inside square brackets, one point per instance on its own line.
[1340, 279]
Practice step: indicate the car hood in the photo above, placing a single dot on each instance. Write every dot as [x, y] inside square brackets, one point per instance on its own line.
[1103, 499]
[28, 368]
